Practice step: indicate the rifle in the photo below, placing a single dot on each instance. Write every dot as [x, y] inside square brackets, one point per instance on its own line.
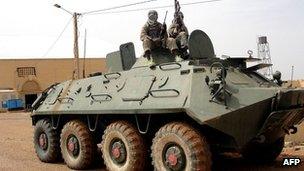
[164, 29]
[165, 18]
[176, 13]
[177, 9]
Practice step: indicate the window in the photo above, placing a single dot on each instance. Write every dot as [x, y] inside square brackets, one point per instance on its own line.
[26, 71]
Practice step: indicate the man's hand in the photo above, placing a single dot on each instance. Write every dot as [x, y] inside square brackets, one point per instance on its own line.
[157, 40]
[175, 32]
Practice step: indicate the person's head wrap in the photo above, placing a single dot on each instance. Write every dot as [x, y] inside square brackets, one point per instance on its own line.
[152, 17]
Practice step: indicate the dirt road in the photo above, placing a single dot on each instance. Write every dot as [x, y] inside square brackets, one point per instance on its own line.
[17, 152]
[16, 149]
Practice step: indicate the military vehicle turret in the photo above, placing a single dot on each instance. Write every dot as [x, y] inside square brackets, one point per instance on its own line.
[176, 112]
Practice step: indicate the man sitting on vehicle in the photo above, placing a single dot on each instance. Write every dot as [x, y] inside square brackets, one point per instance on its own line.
[179, 32]
[154, 35]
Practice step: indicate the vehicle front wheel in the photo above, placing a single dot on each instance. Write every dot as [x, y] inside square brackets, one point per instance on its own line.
[46, 141]
[76, 145]
[123, 148]
[177, 146]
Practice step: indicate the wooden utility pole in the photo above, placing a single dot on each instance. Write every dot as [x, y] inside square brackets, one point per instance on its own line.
[76, 50]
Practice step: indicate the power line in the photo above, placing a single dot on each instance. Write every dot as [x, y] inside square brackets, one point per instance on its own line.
[157, 7]
[60, 35]
[103, 11]
[121, 6]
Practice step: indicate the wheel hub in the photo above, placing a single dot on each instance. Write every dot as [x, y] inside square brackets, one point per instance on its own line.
[118, 152]
[172, 159]
[175, 158]
[73, 146]
[43, 143]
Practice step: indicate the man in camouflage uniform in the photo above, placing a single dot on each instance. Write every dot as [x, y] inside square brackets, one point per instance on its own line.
[154, 35]
[179, 32]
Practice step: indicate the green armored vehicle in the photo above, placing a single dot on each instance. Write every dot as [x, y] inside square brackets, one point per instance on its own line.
[173, 114]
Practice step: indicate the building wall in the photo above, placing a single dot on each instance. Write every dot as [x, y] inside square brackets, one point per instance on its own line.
[298, 137]
[48, 72]
[295, 83]
[302, 83]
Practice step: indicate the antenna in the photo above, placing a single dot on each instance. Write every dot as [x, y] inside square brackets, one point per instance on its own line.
[84, 53]
[264, 54]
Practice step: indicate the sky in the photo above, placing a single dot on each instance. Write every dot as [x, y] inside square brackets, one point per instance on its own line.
[29, 28]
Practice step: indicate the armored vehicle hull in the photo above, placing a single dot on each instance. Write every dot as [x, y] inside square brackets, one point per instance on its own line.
[180, 109]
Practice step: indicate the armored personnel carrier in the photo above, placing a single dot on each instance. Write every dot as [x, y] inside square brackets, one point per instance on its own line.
[173, 114]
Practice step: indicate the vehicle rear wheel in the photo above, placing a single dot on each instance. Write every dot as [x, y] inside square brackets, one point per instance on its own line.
[263, 153]
[46, 142]
[177, 146]
[123, 148]
[76, 145]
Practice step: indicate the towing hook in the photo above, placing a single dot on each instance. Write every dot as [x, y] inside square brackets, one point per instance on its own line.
[293, 130]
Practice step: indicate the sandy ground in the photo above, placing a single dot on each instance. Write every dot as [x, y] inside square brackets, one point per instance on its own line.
[17, 151]
[299, 136]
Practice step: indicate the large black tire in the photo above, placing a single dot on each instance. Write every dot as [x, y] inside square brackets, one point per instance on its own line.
[123, 148]
[263, 153]
[46, 142]
[178, 146]
[77, 145]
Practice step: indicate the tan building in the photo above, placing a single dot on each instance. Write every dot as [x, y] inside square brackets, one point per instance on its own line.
[295, 84]
[298, 137]
[29, 77]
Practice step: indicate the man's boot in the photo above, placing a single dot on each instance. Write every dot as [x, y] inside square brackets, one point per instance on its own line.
[185, 54]
[147, 54]
[151, 62]
[178, 58]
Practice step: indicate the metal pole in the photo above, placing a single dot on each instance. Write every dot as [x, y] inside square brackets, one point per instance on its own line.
[76, 50]
[84, 53]
[291, 80]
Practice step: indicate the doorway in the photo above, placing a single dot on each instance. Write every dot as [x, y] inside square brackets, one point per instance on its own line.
[29, 100]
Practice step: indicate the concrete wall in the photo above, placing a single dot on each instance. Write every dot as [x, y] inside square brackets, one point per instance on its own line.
[299, 136]
[295, 83]
[48, 71]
